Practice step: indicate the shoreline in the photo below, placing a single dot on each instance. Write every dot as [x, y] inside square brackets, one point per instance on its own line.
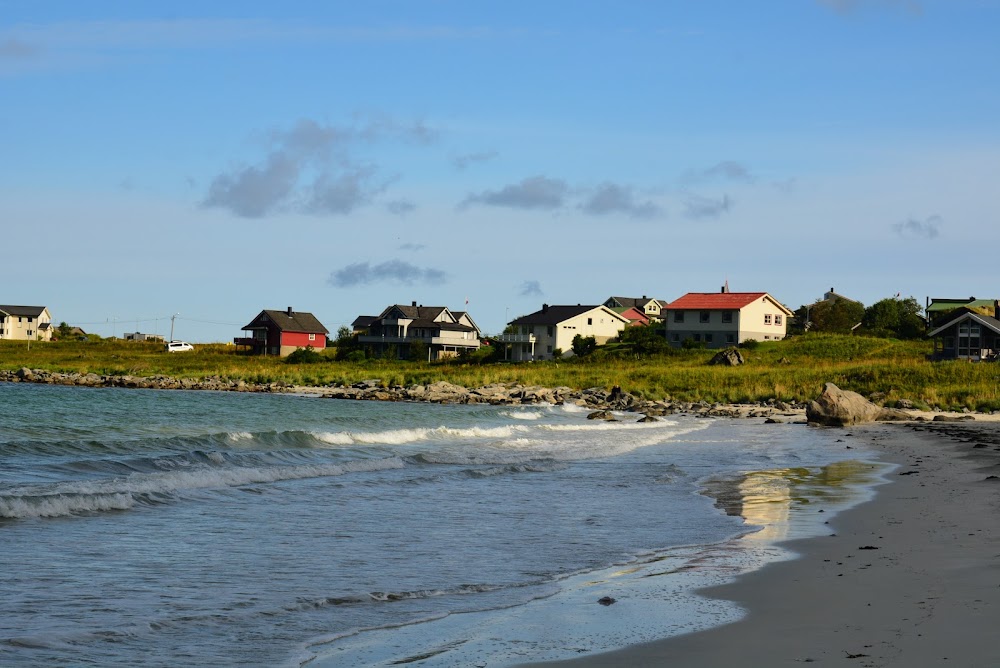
[597, 399]
[908, 578]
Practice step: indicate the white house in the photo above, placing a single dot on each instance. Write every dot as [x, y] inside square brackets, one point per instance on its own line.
[25, 323]
[540, 334]
[722, 319]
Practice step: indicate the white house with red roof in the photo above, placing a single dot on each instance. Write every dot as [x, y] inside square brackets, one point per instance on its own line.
[723, 319]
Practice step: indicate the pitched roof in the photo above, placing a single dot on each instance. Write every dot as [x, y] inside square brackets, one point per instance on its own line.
[290, 321]
[553, 315]
[984, 320]
[637, 302]
[951, 304]
[708, 301]
[364, 321]
[24, 311]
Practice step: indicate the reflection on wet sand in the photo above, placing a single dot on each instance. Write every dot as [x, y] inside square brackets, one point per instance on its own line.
[775, 500]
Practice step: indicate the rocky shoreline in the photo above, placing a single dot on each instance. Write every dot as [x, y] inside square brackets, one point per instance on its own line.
[600, 400]
[833, 407]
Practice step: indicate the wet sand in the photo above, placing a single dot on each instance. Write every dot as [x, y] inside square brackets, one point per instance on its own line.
[911, 578]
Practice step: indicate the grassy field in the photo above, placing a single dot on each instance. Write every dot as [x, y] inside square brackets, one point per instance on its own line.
[790, 370]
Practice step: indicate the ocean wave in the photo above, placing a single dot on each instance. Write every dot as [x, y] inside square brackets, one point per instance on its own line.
[539, 467]
[417, 434]
[523, 414]
[78, 497]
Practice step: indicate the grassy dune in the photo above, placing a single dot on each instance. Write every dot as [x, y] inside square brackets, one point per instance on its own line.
[790, 370]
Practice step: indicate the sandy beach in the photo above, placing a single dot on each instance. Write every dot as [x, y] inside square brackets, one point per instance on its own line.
[911, 578]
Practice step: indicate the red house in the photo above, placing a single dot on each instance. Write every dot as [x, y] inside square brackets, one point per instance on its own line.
[283, 332]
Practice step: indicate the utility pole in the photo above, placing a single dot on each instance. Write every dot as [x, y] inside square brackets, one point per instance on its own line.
[172, 325]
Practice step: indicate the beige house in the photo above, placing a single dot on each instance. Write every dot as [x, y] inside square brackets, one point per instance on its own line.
[25, 323]
[652, 308]
[723, 319]
[446, 333]
[540, 334]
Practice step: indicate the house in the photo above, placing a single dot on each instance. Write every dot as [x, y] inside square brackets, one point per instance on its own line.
[283, 332]
[722, 319]
[446, 333]
[25, 323]
[139, 336]
[633, 315]
[539, 335]
[652, 308]
[969, 335]
[940, 311]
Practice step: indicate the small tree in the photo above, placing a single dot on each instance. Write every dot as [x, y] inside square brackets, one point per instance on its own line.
[894, 317]
[583, 345]
[645, 339]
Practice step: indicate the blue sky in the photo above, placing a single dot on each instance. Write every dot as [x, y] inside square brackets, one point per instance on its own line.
[215, 159]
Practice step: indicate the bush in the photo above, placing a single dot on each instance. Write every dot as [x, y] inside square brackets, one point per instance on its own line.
[304, 356]
[691, 344]
[750, 344]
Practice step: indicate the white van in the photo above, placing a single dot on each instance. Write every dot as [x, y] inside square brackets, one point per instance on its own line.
[179, 347]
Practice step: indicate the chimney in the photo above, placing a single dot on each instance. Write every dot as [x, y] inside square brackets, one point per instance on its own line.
[289, 311]
[996, 309]
[545, 308]
[413, 303]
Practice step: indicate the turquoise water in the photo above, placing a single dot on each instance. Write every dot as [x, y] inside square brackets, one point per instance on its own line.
[198, 528]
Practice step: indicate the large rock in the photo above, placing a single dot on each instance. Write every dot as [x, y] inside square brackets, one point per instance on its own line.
[840, 408]
[729, 357]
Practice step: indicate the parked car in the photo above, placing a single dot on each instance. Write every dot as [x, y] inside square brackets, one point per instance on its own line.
[179, 347]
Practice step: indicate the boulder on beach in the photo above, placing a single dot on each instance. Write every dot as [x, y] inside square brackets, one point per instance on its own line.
[839, 408]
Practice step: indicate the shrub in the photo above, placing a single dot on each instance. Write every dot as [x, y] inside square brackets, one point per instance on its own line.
[750, 344]
[304, 356]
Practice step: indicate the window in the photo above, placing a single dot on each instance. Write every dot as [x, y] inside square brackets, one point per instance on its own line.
[730, 338]
[678, 316]
[727, 317]
[767, 318]
[704, 316]
[777, 319]
[708, 338]
[548, 349]
[590, 321]
[312, 337]
[697, 336]
[676, 336]
[551, 333]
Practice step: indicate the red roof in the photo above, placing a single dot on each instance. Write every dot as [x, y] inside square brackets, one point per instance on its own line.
[715, 300]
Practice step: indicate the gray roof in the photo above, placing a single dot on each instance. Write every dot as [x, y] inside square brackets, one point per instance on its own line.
[553, 315]
[29, 311]
[297, 321]
[984, 320]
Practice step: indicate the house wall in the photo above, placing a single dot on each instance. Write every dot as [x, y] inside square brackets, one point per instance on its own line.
[750, 322]
[597, 323]
[290, 341]
[754, 325]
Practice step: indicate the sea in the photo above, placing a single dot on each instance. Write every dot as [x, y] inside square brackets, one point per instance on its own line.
[174, 528]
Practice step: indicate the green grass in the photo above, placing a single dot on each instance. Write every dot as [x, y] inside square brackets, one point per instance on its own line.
[791, 370]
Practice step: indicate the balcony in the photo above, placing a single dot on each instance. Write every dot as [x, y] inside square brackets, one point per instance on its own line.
[515, 338]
